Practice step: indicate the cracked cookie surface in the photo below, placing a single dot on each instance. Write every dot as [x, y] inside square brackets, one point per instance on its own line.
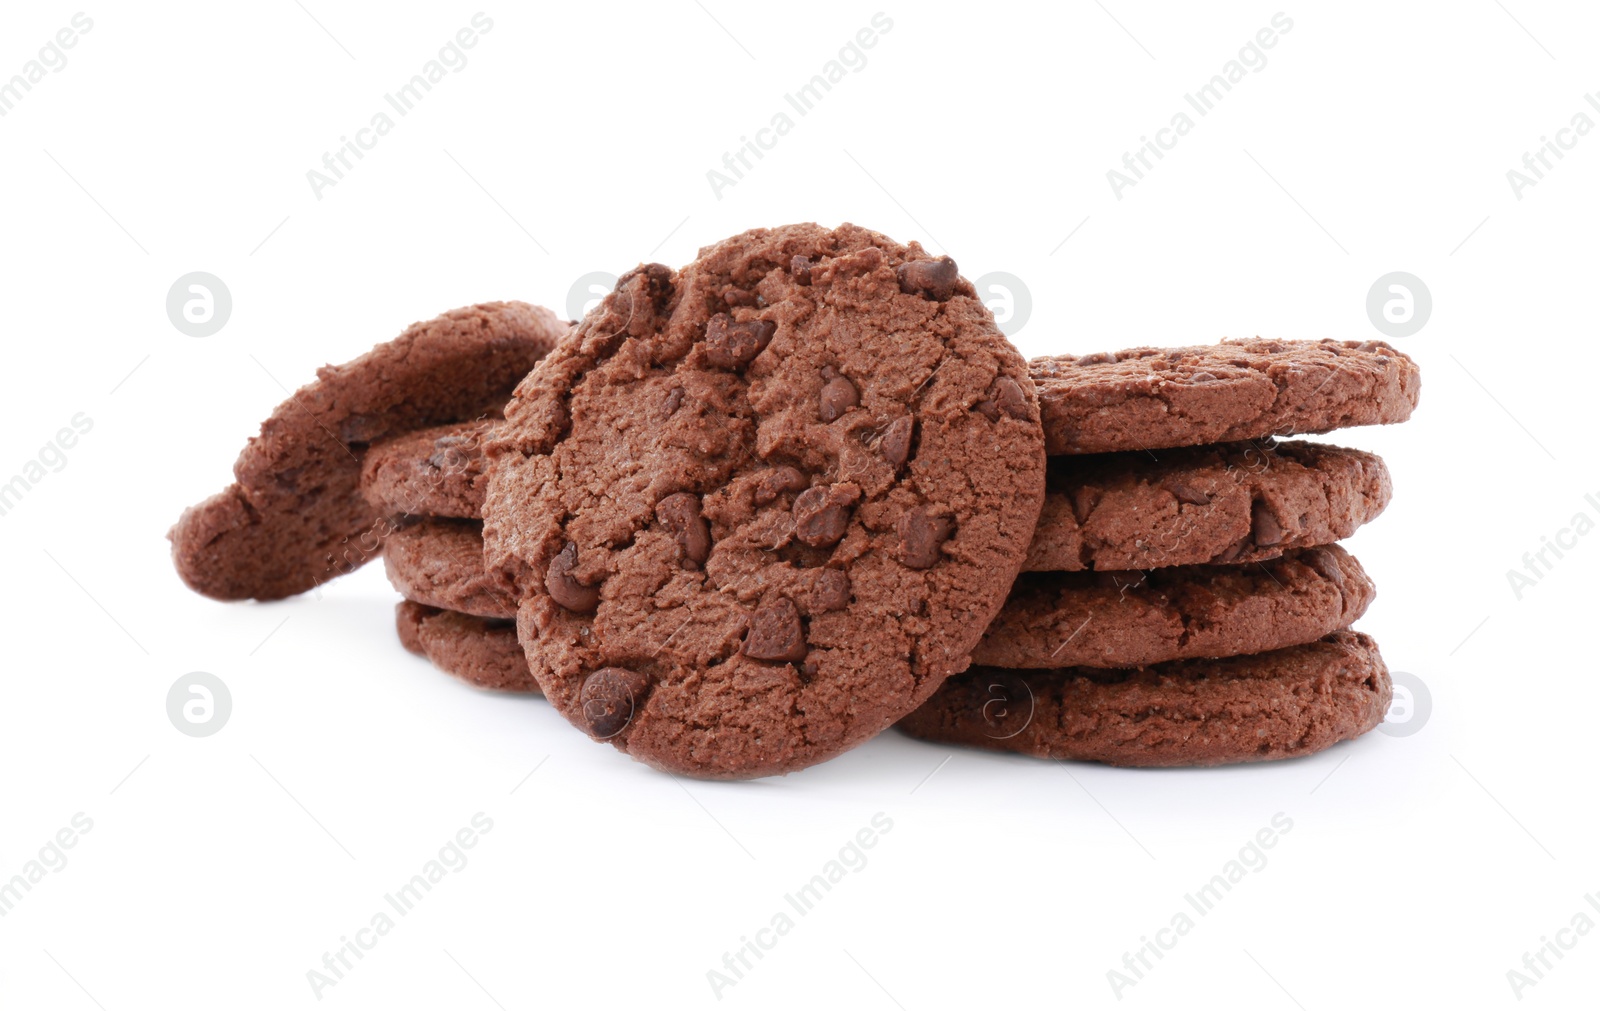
[483, 652]
[1131, 619]
[1283, 704]
[1155, 398]
[439, 562]
[1236, 502]
[759, 508]
[295, 516]
[437, 471]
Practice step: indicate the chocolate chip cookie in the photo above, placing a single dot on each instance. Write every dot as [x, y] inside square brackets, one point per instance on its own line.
[1132, 619]
[480, 651]
[1236, 502]
[1153, 398]
[759, 508]
[1283, 704]
[295, 516]
[433, 472]
[439, 562]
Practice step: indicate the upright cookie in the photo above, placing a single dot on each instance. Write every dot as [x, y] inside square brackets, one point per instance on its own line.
[295, 517]
[760, 508]
[433, 472]
[1154, 398]
[1132, 619]
[1283, 704]
[439, 562]
[1237, 502]
[480, 651]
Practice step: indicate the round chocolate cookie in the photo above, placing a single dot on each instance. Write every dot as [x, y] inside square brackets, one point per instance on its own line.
[434, 472]
[295, 516]
[1237, 502]
[1131, 619]
[480, 651]
[1153, 398]
[439, 562]
[1284, 704]
[758, 509]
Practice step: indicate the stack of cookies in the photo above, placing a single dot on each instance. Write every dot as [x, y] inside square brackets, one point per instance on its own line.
[1185, 601]
[750, 513]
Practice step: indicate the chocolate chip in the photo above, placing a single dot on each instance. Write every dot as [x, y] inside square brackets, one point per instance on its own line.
[681, 514]
[921, 533]
[738, 296]
[988, 408]
[1008, 396]
[564, 587]
[731, 345]
[362, 428]
[451, 453]
[1325, 564]
[1231, 552]
[822, 514]
[560, 417]
[657, 282]
[1098, 358]
[932, 279]
[830, 591]
[800, 268]
[1084, 500]
[1187, 493]
[673, 402]
[777, 481]
[775, 633]
[609, 698]
[896, 442]
[838, 396]
[1264, 527]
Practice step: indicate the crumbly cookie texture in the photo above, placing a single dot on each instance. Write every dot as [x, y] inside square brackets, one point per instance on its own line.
[759, 508]
[439, 562]
[1132, 619]
[1236, 502]
[483, 652]
[1283, 704]
[294, 516]
[1153, 398]
[437, 471]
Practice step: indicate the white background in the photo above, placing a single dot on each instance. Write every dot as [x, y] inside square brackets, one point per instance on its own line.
[577, 138]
